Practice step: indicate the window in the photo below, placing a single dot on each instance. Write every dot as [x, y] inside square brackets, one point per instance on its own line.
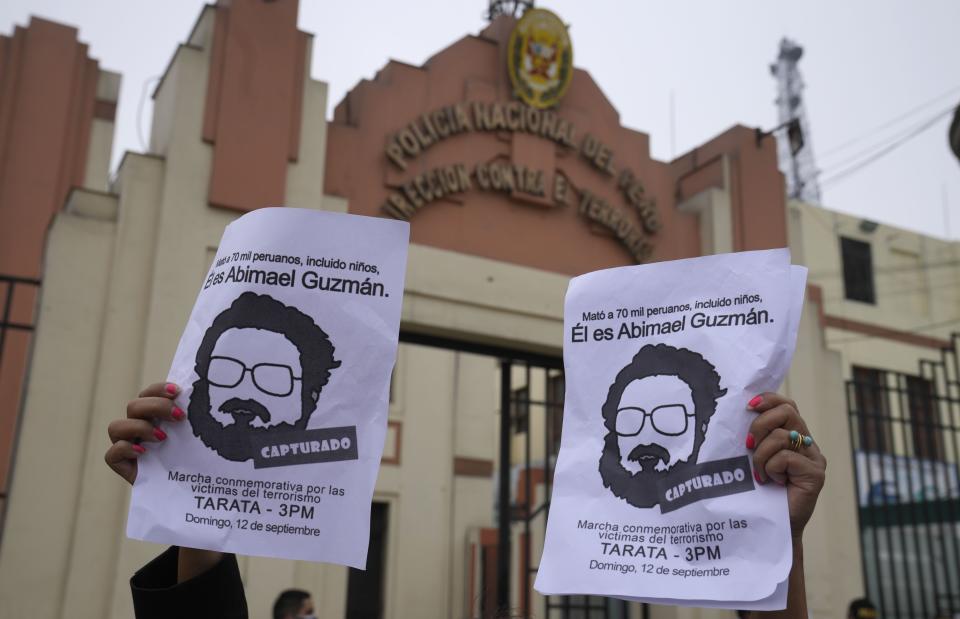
[873, 410]
[857, 271]
[927, 435]
[365, 588]
[520, 409]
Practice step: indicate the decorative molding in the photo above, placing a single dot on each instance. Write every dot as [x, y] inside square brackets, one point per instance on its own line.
[397, 442]
[472, 467]
[105, 110]
[897, 335]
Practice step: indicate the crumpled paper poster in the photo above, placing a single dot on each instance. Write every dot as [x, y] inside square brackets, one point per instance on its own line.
[284, 367]
[654, 495]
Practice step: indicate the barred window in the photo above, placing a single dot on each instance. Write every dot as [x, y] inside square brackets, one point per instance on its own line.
[927, 434]
[873, 406]
[520, 409]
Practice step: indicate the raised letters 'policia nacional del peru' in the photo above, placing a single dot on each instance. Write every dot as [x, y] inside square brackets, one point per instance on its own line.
[540, 66]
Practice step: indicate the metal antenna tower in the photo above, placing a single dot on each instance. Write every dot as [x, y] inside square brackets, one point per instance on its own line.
[508, 7]
[796, 158]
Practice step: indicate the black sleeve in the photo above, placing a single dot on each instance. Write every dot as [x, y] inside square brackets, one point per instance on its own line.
[218, 592]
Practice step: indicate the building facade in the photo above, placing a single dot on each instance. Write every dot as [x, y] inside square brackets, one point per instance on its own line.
[889, 304]
[506, 202]
[57, 110]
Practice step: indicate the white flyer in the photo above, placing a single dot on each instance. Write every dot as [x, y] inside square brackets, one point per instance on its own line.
[284, 367]
[654, 494]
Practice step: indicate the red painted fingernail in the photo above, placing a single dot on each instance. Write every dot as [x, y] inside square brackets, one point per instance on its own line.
[756, 475]
[171, 389]
[178, 413]
[755, 402]
[750, 442]
[160, 434]
[782, 483]
[140, 449]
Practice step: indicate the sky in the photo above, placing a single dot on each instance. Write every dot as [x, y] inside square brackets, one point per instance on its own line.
[876, 73]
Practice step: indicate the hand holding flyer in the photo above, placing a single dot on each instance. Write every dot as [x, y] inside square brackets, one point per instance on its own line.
[654, 494]
[285, 366]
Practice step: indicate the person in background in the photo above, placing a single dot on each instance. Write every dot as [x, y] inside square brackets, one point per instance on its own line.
[862, 608]
[294, 604]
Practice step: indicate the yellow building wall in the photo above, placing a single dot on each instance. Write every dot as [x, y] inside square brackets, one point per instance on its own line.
[916, 280]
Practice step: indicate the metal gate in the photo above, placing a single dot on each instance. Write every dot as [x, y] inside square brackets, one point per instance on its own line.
[904, 432]
[531, 409]
[531, 418]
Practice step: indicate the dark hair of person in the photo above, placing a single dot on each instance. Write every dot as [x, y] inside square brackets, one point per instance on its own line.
[862, 608]
[288, 603]
[253, 311]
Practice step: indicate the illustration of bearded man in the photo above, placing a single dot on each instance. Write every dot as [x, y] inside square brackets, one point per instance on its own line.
[656, 414]
[261, 367]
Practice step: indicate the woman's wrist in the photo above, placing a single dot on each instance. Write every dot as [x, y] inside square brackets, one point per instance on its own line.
[797, 543]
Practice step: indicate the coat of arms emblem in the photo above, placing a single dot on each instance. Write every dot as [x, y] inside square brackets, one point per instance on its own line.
[540, 58]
